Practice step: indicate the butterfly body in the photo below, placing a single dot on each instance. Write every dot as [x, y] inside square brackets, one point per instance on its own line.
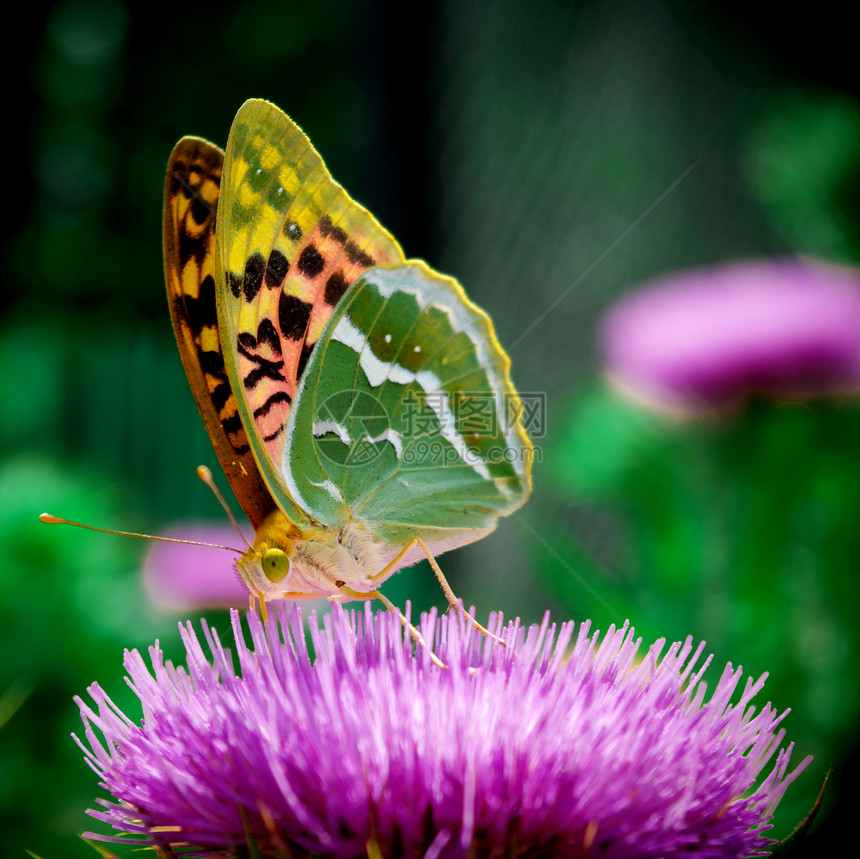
[322, 562]
[341, 384]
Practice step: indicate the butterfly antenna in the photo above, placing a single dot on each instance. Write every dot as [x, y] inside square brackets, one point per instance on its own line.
[205, 475]
[49, 519]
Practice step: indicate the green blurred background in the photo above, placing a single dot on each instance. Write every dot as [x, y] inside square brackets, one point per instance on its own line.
[550, 155]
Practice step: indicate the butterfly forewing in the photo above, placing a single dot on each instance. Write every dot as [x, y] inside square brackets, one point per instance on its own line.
[190, 264]
[406, 415]
[291, 241]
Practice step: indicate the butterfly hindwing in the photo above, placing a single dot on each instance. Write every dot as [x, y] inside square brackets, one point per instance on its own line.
[290, 243]
[406, 415]
[190, 262]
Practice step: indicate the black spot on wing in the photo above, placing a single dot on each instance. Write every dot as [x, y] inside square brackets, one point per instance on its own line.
[355, 254]
[211, 362]
[307, 348]
[199, 312]
[292, 230]
[192, 246]
[206, 301]
[311, 262]
[254, 270]
[266, 334]
[235, 283]
[265, 368]
[200, 211]
[276, 269]
[232, 424]
[178, 173]
[327, 228]
[220, 394]
[335, 287]
[293, 316]
[277, 397]
[274, 434]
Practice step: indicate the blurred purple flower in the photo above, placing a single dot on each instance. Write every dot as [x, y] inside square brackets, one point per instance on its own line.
[704, 338]
[536, 749]
[181, 578]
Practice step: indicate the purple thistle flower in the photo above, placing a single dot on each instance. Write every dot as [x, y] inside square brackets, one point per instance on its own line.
[703, 339]
[537, 749]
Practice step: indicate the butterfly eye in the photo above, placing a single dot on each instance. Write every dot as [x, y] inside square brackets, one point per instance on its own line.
[276, 564]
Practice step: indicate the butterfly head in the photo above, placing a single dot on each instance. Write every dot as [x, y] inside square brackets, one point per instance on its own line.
[287, 561]
[276, 562]
[266, 566]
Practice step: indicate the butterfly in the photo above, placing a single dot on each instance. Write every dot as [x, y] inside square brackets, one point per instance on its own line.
[359, 403]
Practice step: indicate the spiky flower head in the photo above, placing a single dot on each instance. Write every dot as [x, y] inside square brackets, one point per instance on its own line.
[548, 747]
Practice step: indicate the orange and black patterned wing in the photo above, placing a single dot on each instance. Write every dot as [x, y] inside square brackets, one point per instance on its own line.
[190, 268]
[291, 242]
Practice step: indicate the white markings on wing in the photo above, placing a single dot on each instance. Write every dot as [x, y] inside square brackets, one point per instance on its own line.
[289, 477]
[321, 428]
[378, 371]
[330, 488]
[324, 427]
[469, 320]
[389, 435]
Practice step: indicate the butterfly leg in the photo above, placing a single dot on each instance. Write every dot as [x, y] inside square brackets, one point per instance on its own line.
[453, 602]
[413, 631]
[252, 603]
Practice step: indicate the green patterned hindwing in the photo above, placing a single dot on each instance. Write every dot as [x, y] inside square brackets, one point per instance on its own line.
[406, 416]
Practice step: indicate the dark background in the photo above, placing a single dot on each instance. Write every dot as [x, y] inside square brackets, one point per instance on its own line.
[549, 155]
